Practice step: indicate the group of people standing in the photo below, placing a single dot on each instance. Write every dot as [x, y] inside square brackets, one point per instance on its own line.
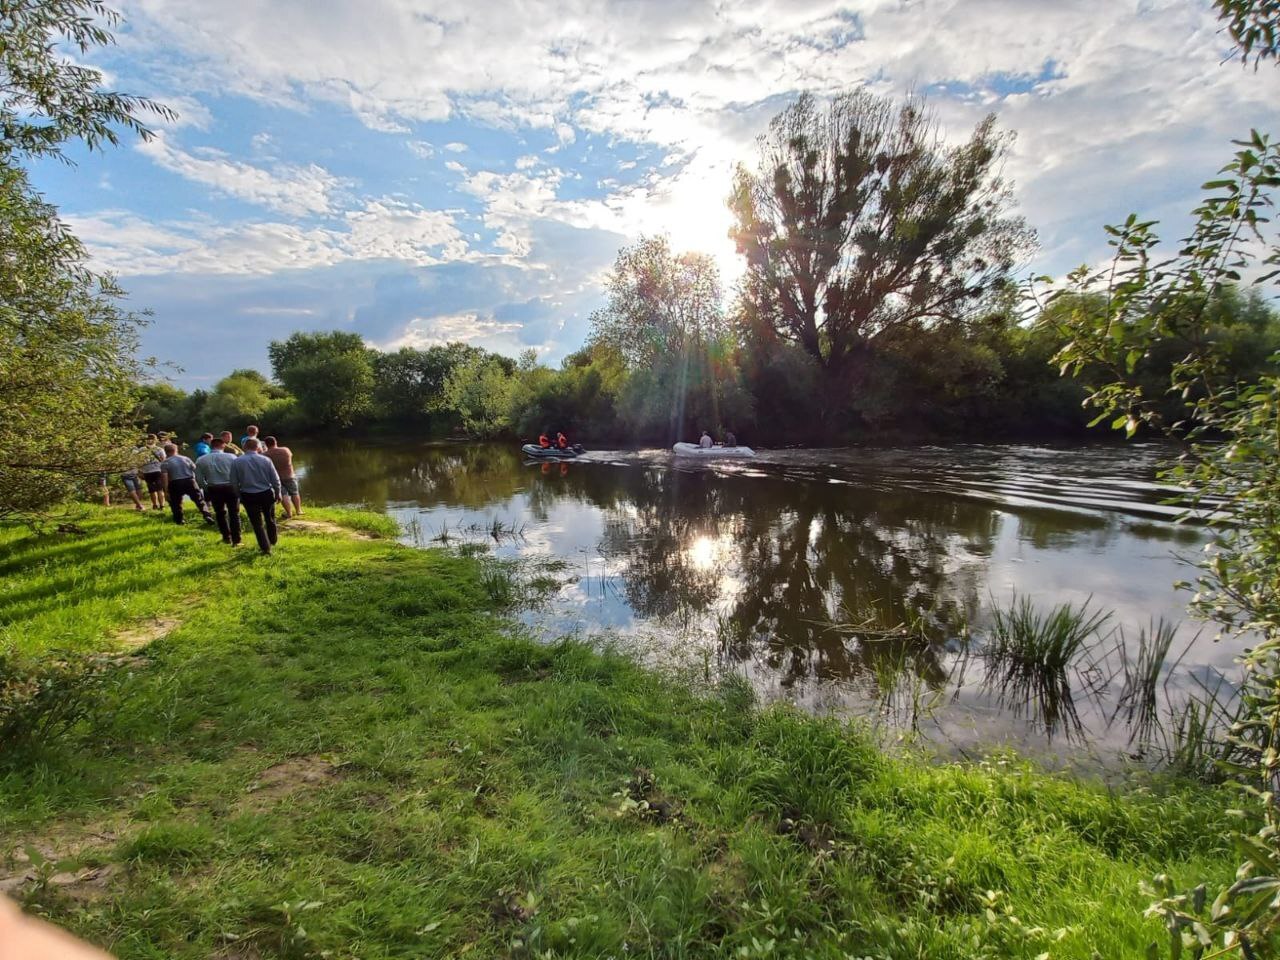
[256, 473]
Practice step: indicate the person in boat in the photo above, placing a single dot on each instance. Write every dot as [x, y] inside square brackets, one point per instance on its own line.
[543, 441]
[729, 439]
[562, 441]
[706, 442]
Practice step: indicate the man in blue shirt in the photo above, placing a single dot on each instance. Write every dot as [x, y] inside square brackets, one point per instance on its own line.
[202, 445]
[213, 474]
[250, 433]
[257, 483]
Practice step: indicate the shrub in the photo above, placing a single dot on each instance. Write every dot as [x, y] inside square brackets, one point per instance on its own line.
[43, 700]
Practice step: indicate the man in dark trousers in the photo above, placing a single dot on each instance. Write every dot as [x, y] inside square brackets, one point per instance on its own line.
[213, 474]
[257, 483]
[180, 473]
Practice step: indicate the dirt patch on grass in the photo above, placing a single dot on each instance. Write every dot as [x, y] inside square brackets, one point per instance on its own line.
[145, 632]
[324, 526]
[55, 860]
[295, 775]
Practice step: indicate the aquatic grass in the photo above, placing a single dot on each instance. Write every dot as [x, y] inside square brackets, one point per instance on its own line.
[903, 695]
[1026, 639]
[497, 530]
[389, 771]
[1145, 678]
[1029, 654]
[1196, 740]
[499, 582]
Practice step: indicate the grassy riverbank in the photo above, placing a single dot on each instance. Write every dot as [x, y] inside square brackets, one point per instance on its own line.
[341, 751]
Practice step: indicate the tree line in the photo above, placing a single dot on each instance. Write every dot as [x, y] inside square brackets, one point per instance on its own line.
[665, 362]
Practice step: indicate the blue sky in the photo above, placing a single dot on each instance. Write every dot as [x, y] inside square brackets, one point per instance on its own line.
[427, 171]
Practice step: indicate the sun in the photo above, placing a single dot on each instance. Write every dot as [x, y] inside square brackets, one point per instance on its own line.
[703, 553]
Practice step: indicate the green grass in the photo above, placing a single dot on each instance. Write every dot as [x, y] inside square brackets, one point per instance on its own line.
[342, 751]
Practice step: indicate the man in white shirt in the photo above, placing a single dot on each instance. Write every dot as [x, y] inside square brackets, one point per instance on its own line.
[258, 485]
[213, 474]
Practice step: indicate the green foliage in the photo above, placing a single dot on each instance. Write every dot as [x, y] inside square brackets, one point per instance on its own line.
[41, 700]
[409, 386]
[50, 99]
[67, 359]
[482, 390]
[1254, 25]
[581, 398]
[330, 374]
[162, 405]
[664, 320]
[679, 395]
[237, 398]
[67, 350]
[1116, 318]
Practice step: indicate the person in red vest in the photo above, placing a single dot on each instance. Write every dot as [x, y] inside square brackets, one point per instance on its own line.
[562, 441]
[543, 442]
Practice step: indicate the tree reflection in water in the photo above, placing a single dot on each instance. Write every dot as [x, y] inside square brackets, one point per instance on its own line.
[862, 574]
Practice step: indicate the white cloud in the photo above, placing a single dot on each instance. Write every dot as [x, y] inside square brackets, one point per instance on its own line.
[295, 190]
[448, 328]
[190, 113]
[382, 229]
[456, 147]
[455, 166]
[421, 149]
[278, 311]
[398, 231]
[1138, 99]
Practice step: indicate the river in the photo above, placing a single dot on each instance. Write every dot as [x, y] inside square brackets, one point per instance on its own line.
[855, 580]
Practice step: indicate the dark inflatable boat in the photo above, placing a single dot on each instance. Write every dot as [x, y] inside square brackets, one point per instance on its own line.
[535, 452]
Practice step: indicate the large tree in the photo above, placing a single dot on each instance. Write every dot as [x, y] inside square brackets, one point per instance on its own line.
[331, 374]
[67, 359]
[665, 317]
[660, 303]
[857, 218]
[67, 351]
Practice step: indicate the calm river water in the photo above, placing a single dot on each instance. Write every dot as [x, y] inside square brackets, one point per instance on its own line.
[859, 580]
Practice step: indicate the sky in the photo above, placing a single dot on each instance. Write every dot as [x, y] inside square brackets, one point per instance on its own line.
[419, 172]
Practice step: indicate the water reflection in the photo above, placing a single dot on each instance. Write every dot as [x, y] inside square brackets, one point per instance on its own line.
[855, 579]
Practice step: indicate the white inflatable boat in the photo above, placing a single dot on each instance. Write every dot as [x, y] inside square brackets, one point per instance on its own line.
[693, 450]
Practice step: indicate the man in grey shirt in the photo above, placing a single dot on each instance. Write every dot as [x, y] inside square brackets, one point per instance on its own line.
[213, 474]
[180, 473]
[257, 483]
